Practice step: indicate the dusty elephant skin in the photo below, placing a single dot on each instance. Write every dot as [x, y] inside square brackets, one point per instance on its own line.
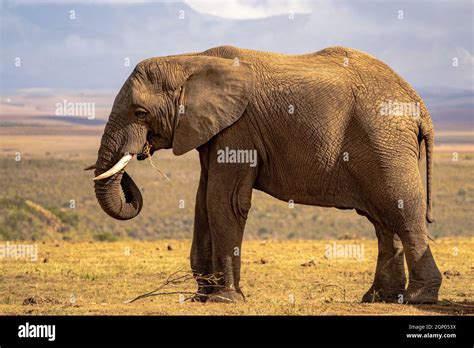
[335, 128]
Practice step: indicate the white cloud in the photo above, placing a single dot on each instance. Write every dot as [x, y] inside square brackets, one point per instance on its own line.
[90, 52]
[91, 2]
[249, 9]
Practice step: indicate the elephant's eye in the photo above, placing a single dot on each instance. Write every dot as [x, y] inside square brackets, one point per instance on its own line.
[140, 114]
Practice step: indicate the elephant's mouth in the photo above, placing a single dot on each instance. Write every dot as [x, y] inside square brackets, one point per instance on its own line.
[116, 168]
[147, 150]
[141, 156]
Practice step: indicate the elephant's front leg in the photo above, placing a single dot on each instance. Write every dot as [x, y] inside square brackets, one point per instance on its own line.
[201, 249]
[228, 202]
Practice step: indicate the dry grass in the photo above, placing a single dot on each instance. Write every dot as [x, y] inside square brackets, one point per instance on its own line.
[50, 174]
[99, 277]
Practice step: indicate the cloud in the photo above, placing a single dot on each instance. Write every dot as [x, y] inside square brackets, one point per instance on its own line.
[249, 9]
[92, 2]
[89, 52]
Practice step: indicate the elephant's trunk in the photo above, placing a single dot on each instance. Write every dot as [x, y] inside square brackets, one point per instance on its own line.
[117, 194]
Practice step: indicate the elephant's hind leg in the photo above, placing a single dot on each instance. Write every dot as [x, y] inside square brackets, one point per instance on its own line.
[390, 279]
[403, 213]
[395, 203]
[424, 276]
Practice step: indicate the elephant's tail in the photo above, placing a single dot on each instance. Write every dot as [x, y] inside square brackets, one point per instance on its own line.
[428, 137]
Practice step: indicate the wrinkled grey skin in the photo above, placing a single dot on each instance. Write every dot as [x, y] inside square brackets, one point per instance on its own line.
[334, 150]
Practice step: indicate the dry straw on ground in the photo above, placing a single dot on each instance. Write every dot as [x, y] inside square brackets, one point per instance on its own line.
[101, 276]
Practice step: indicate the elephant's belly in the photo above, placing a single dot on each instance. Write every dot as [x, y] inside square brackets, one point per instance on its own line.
[312, 191]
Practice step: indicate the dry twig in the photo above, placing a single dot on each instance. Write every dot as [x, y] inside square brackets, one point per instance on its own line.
[178, 278]
[146, 152]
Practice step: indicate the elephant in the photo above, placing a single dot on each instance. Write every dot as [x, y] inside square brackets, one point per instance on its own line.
[335, 128]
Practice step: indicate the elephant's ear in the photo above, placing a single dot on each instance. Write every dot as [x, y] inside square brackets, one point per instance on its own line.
[216, 93]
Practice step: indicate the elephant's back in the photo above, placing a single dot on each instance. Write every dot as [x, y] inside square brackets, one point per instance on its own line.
[365, 70]
[348, 72]
[373, 82]
[336, 53]
[343, 62]
[232, 52]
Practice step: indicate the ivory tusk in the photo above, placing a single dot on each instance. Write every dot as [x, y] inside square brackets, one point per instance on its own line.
[122, 163]
[91, 167]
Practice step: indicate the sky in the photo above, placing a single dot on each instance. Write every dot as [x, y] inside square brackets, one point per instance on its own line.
[88, 49]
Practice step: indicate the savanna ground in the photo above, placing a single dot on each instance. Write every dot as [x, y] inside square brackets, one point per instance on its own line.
[278, 278]
[89, 263]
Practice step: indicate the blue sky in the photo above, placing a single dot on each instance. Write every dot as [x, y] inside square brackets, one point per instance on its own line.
[88, 52]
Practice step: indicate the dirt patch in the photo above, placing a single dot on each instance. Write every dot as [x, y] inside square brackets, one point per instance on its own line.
[37, 300]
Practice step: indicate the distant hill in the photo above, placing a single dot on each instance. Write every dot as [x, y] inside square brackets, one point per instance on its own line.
[450, 108]
[75, 120]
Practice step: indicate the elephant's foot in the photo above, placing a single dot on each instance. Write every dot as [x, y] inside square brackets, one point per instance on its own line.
[226, 296]
[425, 280]
[204, 291]
[198, 297]
[390, 278]
[381, 295]
[387, 287]
[422, 294]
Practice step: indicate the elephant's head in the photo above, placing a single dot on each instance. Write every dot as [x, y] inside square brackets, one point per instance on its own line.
[172, 102]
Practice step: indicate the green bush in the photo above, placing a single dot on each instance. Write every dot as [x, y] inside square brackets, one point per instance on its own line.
[106, 237]
[68, 218]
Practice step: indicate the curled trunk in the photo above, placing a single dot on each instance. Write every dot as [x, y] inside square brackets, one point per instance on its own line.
[119, 196]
